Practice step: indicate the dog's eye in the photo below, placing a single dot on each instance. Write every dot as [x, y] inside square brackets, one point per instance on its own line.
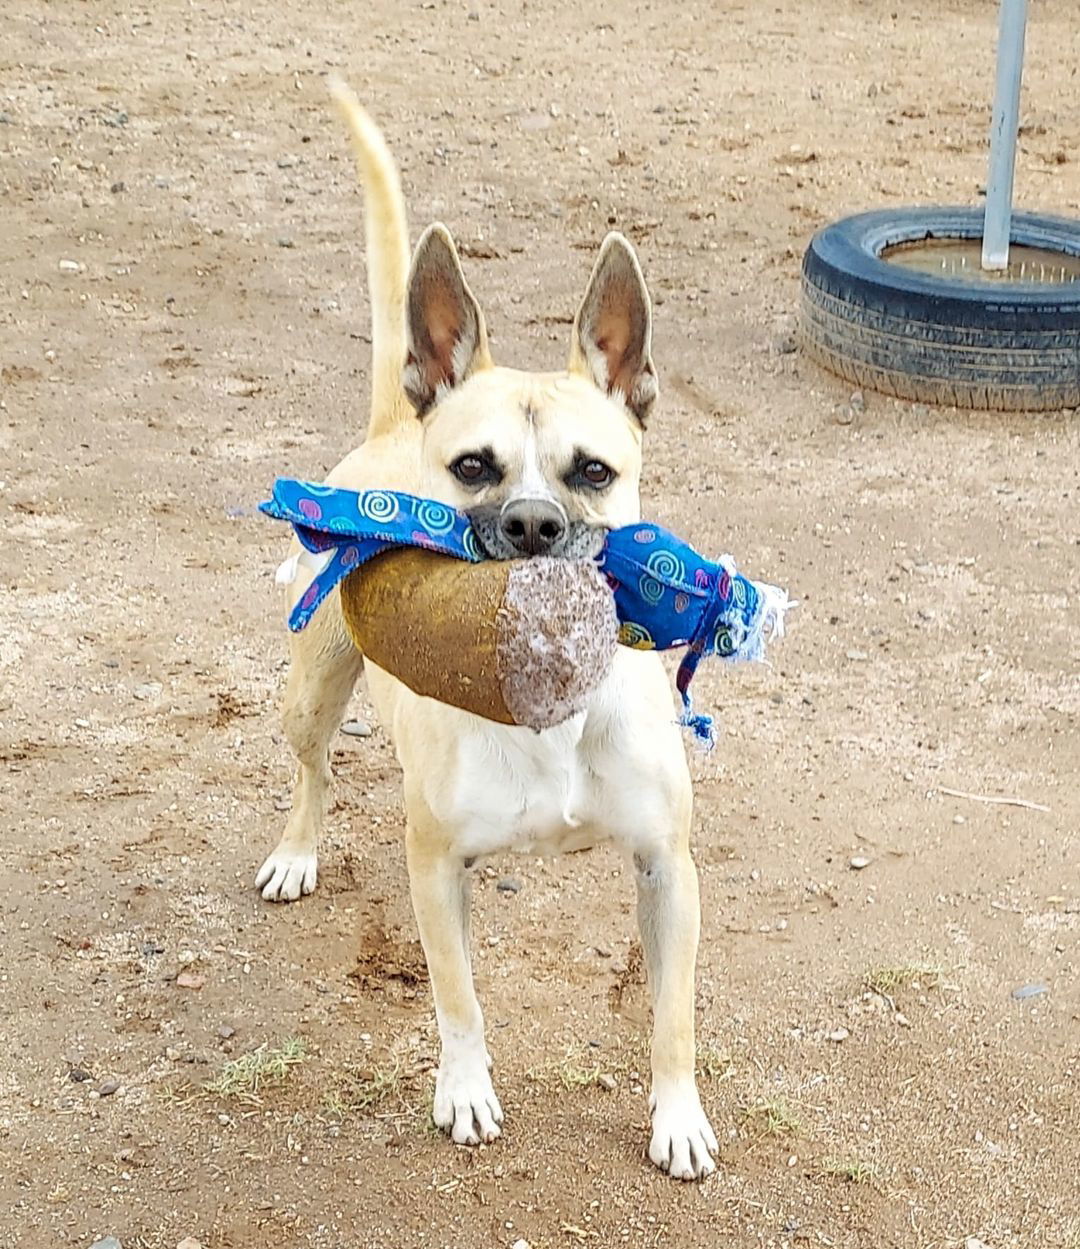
[597, 474]
[474, 470]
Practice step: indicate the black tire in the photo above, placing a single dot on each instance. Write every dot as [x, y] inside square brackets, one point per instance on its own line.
[1008, 346]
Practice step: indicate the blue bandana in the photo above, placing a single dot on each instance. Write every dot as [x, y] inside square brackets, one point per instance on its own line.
[666, 594]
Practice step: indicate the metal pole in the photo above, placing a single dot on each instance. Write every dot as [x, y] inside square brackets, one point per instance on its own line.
[1006, 121]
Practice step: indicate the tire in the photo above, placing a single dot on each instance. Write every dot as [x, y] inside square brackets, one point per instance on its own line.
[1008, 346]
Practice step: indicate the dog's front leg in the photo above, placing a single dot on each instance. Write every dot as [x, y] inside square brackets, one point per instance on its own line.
[465, 1101]
[669, 919]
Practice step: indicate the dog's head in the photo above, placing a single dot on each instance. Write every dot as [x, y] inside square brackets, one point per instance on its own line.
[543, 463]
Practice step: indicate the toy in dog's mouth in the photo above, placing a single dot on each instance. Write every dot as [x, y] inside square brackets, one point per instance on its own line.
[666, 594]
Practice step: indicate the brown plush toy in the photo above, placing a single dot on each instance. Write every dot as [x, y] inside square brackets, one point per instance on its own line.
[520, 641]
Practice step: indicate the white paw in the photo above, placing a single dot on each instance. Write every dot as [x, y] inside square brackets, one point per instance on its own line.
[682, 1141]
[287, 874]
[465, 1101]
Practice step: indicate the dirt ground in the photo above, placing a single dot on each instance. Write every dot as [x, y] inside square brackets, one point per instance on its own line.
[183, 310]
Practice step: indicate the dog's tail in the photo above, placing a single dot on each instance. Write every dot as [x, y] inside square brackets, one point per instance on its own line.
[387, 242]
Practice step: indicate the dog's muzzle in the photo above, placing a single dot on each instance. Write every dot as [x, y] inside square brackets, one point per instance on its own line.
[525, 527]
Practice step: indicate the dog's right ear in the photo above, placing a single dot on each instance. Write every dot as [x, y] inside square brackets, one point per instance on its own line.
[447, 338]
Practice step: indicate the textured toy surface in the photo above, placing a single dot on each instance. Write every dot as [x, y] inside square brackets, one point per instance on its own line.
[521, 642]
[666, 594]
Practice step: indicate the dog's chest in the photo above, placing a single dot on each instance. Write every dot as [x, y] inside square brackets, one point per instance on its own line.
[537, 794]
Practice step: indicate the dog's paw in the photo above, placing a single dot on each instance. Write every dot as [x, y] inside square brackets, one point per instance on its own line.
[465, 1103]
[287, 874]
[682, 1141]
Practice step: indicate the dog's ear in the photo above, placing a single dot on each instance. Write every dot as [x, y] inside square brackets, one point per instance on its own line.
[447, 338]
[612, 341]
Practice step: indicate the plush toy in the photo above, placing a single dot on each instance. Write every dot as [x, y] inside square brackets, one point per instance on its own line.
[523, 641]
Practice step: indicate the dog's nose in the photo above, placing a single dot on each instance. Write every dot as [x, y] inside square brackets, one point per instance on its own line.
[532, 526]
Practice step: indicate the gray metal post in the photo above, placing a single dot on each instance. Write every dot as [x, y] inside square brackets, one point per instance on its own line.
[1006, 121]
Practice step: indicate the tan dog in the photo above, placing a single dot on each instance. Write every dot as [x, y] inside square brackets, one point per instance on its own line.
[543, 463]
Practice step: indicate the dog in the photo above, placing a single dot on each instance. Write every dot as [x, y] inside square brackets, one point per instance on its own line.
[543, 463]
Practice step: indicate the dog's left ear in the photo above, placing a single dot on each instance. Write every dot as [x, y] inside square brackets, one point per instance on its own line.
[612, 341]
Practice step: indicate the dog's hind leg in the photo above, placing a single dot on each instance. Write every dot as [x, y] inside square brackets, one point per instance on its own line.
[669, 919]
[324, 669]
[465, 1103]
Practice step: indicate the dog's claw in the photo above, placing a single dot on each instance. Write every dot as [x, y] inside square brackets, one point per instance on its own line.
[683, 1143]
[465, 1104]
[287, 875]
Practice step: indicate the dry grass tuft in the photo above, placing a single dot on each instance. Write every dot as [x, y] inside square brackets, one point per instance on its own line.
[713, 1063]
[772, 1116]
[246, 1076]
[363, 1090]
[886, 980]
[852, 1170]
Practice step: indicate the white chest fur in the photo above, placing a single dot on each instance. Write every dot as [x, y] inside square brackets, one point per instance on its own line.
[519, 790]
[605, 775]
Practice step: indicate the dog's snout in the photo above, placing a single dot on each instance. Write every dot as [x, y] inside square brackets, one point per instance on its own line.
[532, 526]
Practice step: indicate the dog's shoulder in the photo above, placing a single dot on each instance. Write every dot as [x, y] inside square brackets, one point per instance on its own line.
[388, 462]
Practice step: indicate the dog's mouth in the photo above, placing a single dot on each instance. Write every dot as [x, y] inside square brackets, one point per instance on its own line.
[578, 540]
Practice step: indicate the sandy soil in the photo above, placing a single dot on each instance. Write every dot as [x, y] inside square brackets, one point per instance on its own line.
[184, 317]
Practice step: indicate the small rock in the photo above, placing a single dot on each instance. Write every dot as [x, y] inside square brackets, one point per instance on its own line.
[78, 1075]
[70, 266]
[189, 1242]
[185, 957]
[958, 819]
[6, 119]
[285, 242]
[815, 93]
[509, 884]
[118, 188]
[226, 1031]
[286, 162]
[606, 1082]
[839, 1034]
[356, 728]
[108, 1088]
[172, 1053]
[82, 723]
[858, 863]
[857, 656]
[973, 1242]
[521, 1243]
[1024, 991]
[106, 1242]
[190, 980]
